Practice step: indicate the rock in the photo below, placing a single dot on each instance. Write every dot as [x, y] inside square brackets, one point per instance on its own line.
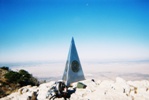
[34, 96]
[121, 86]
[1, 84]
[43, 89]
[95, 90]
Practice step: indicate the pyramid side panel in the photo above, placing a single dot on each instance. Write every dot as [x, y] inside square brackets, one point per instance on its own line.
[65, 72]
[75, 74]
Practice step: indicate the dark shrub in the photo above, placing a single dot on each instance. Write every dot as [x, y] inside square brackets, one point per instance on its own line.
[12, 76]
[22, 77]
[5, 68]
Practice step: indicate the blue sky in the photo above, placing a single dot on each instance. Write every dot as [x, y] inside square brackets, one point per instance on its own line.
[103, 29]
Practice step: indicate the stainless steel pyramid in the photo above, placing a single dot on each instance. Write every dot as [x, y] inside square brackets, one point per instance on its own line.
[73, 70]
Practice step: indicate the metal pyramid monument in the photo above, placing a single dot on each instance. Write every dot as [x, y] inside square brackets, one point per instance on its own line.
[73, 70]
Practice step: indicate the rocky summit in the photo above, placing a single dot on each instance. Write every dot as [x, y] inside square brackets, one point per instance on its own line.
[119, 89]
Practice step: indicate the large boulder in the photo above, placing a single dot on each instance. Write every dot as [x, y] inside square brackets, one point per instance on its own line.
[43, 89]
[139, 89]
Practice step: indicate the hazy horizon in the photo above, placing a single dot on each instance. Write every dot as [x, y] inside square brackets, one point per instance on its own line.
[129, 70]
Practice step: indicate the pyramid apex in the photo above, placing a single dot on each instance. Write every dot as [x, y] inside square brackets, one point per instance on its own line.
[72, 40]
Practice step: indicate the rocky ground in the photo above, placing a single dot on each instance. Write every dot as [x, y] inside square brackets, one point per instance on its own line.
[98, 90]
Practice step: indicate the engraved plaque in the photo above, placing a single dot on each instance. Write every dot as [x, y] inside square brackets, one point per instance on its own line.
[75, 66]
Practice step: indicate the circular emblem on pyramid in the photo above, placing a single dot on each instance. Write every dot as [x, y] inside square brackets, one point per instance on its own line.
[75, 66]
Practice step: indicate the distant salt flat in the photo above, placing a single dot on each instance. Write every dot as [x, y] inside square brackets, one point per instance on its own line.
[98, 70]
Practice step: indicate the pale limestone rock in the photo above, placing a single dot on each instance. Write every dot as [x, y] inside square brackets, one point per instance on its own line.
[98, 90]
[121, 86]
[43, 89]
[139, 84]
[140, 90]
